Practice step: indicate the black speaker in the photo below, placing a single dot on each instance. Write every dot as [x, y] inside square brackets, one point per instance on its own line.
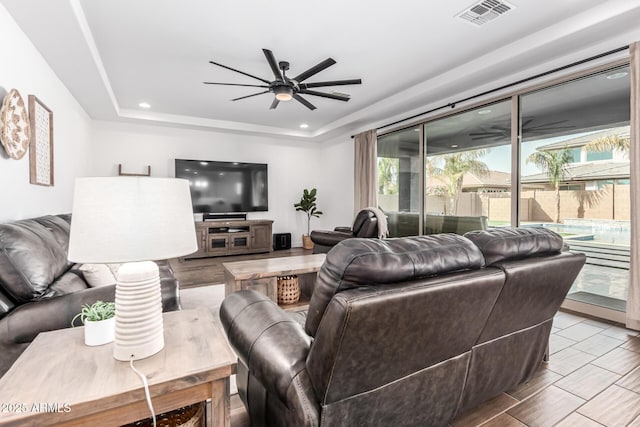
[281, 241]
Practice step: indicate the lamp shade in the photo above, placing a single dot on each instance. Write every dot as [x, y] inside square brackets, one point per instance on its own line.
[128, 219]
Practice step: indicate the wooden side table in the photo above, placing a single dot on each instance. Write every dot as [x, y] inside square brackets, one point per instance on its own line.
[59, 380]
[261, 275]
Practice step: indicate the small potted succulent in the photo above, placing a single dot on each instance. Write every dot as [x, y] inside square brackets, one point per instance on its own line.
[307, 204]
[99, 322]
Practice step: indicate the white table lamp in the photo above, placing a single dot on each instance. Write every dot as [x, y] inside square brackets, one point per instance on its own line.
[133, 220]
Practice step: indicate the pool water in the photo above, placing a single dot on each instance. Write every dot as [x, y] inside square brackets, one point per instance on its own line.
[601, 231]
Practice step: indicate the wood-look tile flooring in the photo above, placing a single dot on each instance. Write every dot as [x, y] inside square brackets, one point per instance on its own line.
[592, 378]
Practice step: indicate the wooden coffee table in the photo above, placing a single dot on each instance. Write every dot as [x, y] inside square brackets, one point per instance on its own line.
[262, 275]
[59, 380]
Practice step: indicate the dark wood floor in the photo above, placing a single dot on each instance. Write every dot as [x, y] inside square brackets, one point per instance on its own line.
[192, 273]
[592, 378]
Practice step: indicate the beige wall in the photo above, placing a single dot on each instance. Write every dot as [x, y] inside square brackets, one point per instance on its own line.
[612, 202]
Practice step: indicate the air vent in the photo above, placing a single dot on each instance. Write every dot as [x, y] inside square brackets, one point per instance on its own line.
[485, 11]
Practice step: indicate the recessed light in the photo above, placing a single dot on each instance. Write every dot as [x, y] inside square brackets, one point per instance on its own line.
[483, 112]
[416, 130]
[454, 146]
[617, 75]
[304, 126]
[204, 163]
[144, 105]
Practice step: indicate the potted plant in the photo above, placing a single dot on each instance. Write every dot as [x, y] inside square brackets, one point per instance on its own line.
[307, 205]
[99, 322]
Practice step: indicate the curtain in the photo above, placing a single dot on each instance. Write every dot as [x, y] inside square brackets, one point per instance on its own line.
[633, 298]
[365, 170]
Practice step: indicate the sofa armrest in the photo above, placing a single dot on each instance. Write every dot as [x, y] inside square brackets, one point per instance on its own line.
[26, 321]
[329, 238]
[268, 341]
[343, 229]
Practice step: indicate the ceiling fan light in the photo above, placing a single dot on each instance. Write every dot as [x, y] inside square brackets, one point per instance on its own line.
[283, 93]
[284, 97]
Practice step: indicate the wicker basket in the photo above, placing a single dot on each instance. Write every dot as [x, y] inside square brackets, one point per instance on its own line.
[189, 416]
[288, 289]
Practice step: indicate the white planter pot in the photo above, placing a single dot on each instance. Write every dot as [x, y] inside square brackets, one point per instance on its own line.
[100, 332]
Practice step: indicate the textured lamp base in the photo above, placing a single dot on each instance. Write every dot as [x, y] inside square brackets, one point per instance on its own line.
[139, 331]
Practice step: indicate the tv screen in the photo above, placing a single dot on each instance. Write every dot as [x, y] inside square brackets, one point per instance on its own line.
[223, 187]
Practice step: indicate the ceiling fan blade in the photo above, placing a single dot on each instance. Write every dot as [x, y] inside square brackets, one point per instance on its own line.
[304, 102]
[273, 64]
[325, 95]
[331, 83]
[233, 84]
[241, 72]
[274, 104]
[249, 96]
[314, 70]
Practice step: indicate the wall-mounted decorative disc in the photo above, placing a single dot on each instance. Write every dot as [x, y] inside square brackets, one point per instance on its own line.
[15, 133]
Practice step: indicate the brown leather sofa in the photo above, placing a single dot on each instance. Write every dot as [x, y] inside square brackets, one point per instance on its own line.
[364, 225]
[403, 332]
[40, 290]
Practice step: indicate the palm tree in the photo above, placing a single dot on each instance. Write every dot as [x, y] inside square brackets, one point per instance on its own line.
[451, 174]
[387, 175]
[609, 143]
[554, 164]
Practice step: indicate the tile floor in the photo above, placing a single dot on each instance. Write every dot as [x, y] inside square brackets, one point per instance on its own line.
[591, 379]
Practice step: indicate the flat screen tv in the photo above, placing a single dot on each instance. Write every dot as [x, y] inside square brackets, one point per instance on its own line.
[225, 187]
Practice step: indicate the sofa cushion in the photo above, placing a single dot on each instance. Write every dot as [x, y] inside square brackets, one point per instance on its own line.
[33, 253]
[360, 262]
[502, 244]
[98, 275]
[69, 282]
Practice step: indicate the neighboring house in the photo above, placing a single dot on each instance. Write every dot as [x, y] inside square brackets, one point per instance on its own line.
[493, 182]
[589, 170]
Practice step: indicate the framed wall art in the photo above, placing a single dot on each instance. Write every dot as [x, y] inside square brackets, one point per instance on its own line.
[41, 146]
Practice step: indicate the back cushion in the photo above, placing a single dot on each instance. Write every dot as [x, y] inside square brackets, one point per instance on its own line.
[33, 253]
[358, 262]
[363, 223]
[501, 244]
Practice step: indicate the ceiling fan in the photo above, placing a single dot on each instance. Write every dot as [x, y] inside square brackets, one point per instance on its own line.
[286, 88]
[499, 133]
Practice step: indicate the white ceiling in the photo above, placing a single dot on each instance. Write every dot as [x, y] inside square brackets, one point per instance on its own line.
[114, 54]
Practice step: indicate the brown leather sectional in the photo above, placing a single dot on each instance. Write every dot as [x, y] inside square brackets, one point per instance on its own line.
[403, 332]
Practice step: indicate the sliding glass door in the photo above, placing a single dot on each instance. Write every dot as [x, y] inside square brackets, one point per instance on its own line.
[574, 175]
[399, 180]
[468, 170]
[565, 167]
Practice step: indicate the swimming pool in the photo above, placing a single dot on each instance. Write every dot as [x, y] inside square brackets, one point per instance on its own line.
[603, 231]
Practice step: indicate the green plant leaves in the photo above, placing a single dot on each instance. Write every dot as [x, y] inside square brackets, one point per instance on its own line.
[95, 312]
[307, 204]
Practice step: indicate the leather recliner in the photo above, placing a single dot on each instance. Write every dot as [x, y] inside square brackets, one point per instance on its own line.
[40, 290]
[364, 225]
[402, 332]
